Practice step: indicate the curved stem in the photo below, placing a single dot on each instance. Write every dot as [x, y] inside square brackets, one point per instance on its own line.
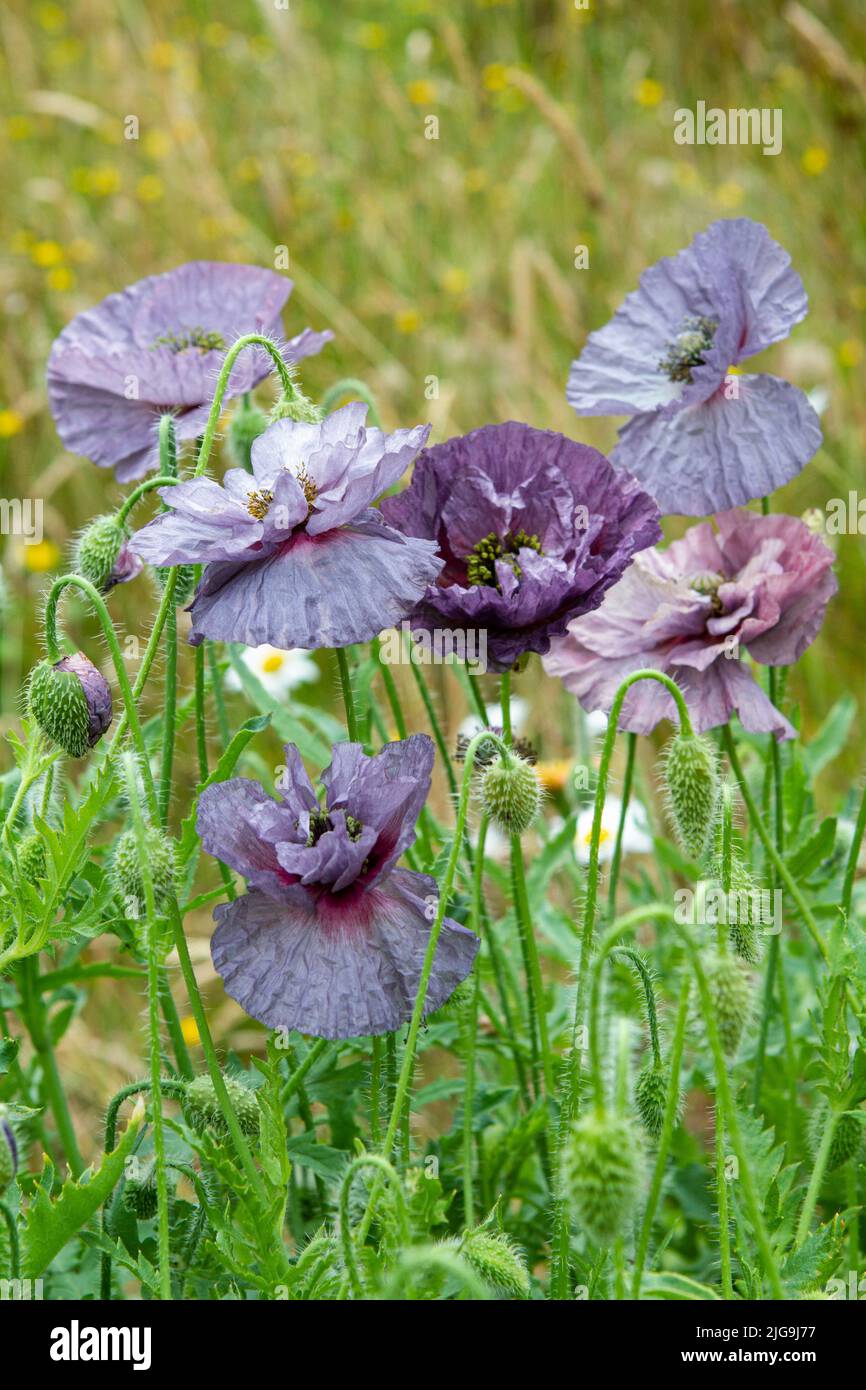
[570, 1075]
[640, 968]
[163, 479]
[772, 853]
[248, 340]
[817, 1177]
[77, 581]
[631, 745]
[351, 386]
[390, 1173]
[672, 1105]
[168, 467]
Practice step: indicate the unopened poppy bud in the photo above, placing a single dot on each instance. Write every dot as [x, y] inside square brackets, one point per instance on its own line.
[103, 556]
[139, 1191]
[650, 1098]
[8, 1153]
[32, 863]
[692, 780]
[494, 1256]
[247, 423]
[296, 407]
[511, 793]
[71, 703]
[605, 1174]
[731, 995]
[203, 1110]
[847, 1136]
[126, 872]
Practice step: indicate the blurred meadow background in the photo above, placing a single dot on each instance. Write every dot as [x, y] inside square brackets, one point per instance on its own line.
[305, 127]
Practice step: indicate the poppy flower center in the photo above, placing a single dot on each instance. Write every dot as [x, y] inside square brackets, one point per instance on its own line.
[307, 486]
[687, 349]
[481, 565]
[201, 339]
[321, 823]
[259, 502]
[708, 584]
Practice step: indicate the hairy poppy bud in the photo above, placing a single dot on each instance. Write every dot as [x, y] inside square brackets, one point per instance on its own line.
[139, 1191]
[650, 1098]
[731, 994]
[297, 407]
[32, 863]
[8, 1153]
[692, 780]
[605, 1174]
[494, 1256]
[203, 1109]
[71, 703]
[102, 555]
[247, 423]
[847, 1136]
[511, 793]
[126, 866]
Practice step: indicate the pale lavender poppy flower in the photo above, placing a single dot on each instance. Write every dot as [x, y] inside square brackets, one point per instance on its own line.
[296, 555]
[702, 439]
[533, 527]
[331, 936]
[760, 585]
[157, 346]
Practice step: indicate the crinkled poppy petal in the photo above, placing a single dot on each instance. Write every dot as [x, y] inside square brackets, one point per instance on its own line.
[339, 969]
[773, 291]
[723, 452]
[617, 372]
[318, 591]
[241, 825]
[386, 792]
[203, 523]
[133, 344]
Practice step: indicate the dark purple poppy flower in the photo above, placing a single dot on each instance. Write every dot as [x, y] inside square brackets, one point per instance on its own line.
[158, 346]
[533, 527]
[761, 584]
[331, 936]
[701, 439]
[296, 555]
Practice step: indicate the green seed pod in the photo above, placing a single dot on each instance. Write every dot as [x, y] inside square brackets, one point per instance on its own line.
[650, 1098]
[847, 1136]
[8, 1153]
[32, 861]
[606, 1171]
[301, 408]
[247, 423]
[494, 1256]
[731, 993]
[511, 793]
[71, 703]
[139, 1191]
[692, 780]
[203, 1111]
[126, 872]
[102, 556]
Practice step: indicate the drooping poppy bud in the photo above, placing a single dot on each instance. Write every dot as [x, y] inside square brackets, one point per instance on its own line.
[71, 703]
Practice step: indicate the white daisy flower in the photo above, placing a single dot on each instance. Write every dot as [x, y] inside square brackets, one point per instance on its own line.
[519, 711]
[278, 671]
[636, 835]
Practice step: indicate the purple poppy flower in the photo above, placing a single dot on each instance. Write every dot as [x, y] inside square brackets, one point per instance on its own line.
[331, 936]
[533, 527]
[156, 347]
[762, 583]
[701, 439]
[296, 555]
